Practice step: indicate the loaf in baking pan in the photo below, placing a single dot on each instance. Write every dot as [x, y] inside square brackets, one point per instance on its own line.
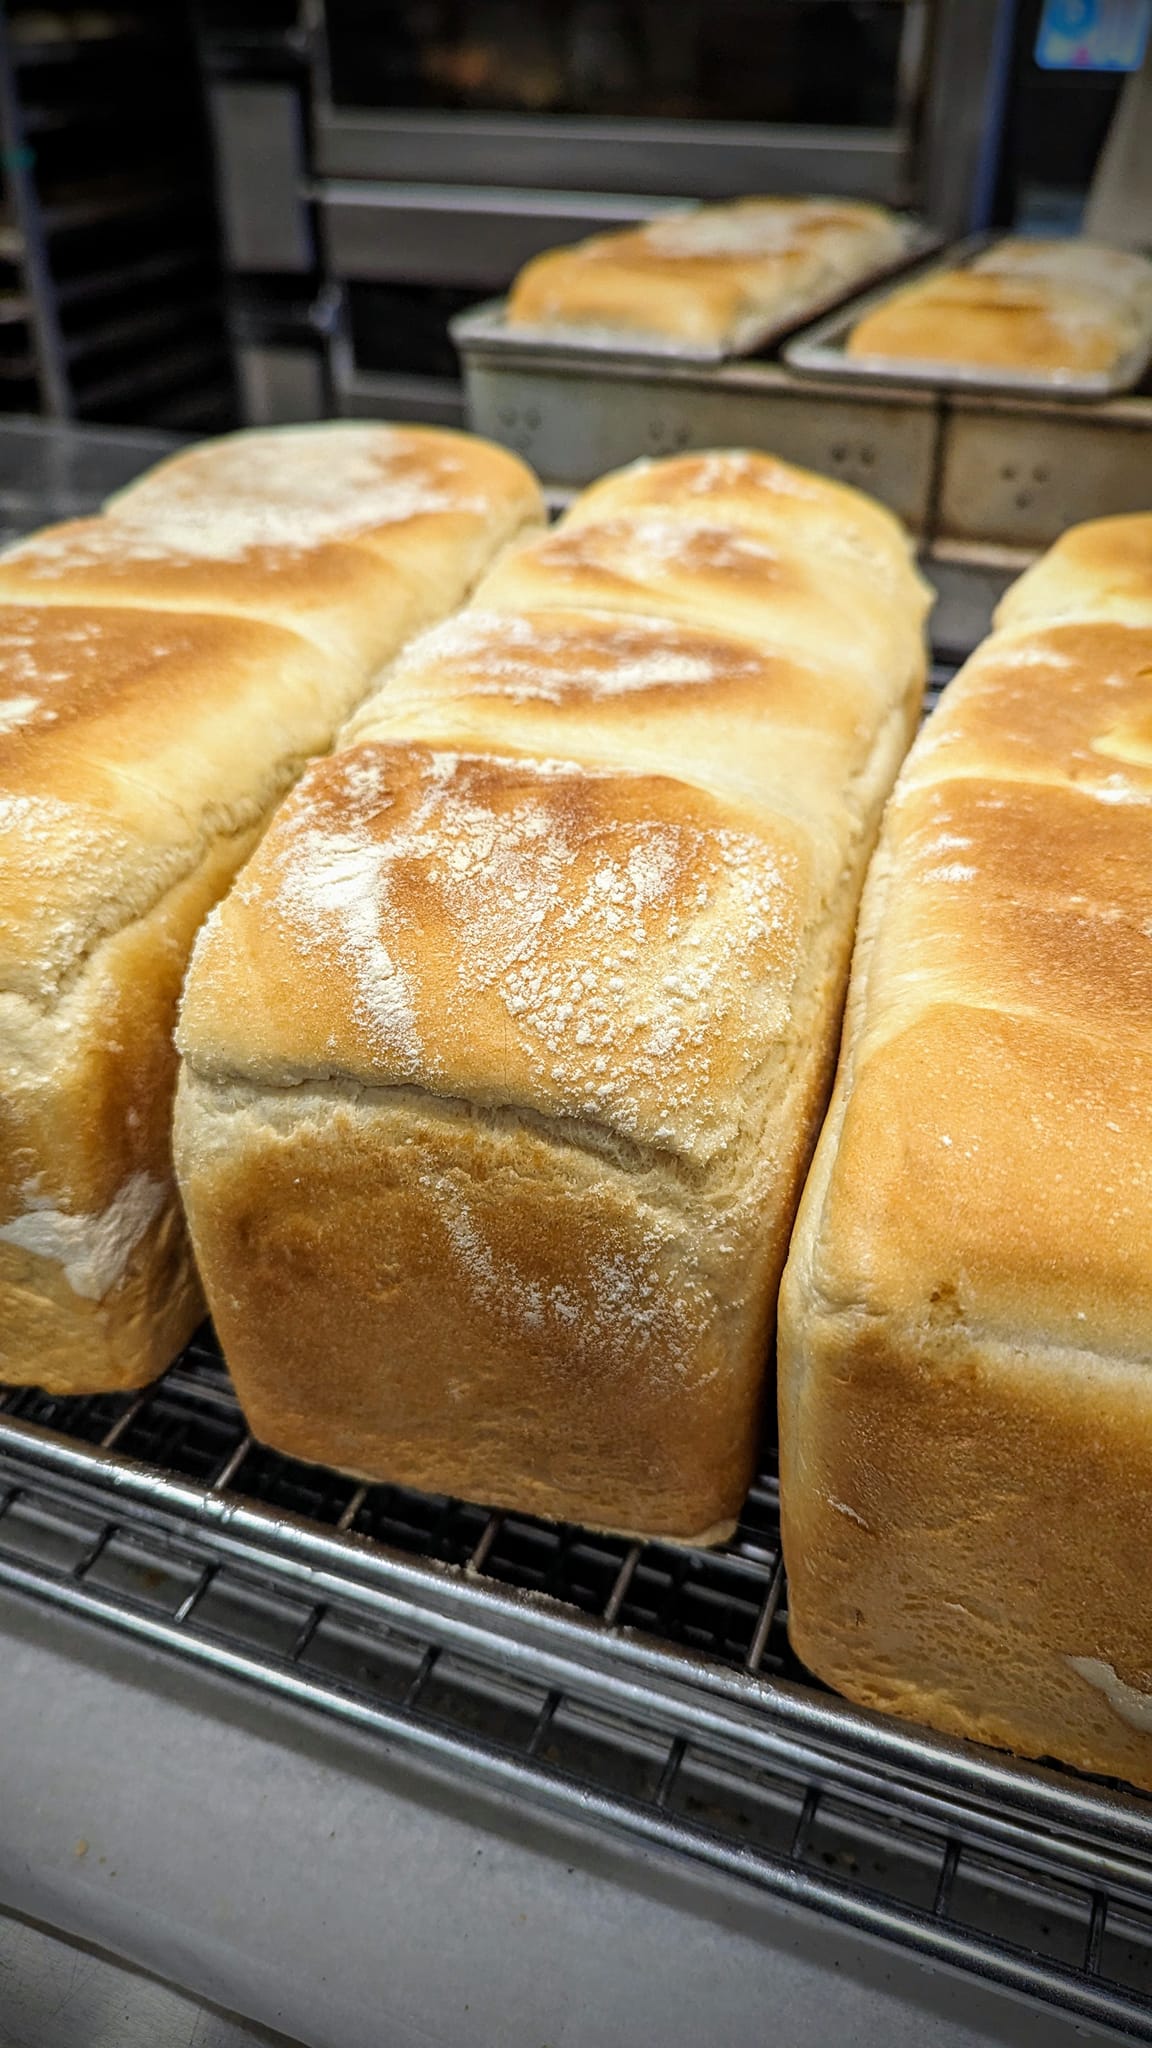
[502, 1061]
[142, 745]
[1048, 308]
[714, 276]
[966, 1316]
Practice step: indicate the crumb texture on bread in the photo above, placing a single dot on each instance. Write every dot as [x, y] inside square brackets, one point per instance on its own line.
[508, 1048]
[966, 1316]
[167, 670]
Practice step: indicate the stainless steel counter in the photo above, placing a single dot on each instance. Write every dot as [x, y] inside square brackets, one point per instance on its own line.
[49, 471]
[330, 1889]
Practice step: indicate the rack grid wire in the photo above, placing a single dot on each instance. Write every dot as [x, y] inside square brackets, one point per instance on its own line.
[640, 1687]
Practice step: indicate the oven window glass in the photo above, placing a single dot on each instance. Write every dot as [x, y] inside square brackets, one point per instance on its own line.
[825, 61]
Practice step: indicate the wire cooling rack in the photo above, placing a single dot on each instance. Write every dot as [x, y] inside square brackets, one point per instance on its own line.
[637, 1687]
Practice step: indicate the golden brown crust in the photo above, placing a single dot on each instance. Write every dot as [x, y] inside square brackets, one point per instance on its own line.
[1046, 307]
[97, 1285]
[966, 1535]
[345, 597]
[715, 574]
[434, 505]
[710, 276]
[966, 1316]
[548, 1321]
[616, 947]
[538, 979]
[765, 727]
[1103, 569]
[756, 493]
[131, 740]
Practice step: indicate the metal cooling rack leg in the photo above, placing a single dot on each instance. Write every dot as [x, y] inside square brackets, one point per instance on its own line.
[544, 1721]
[948, 1869]
[1095, 1939]
[672, 1763]
[95, 1550]
[805, 1824]
[305, 1632]
[491, 1530]
[766, 1617]
[124, 1422]
[623, 1581]
[428, 1663]
[352, 1510]
[194, 1595]
[231, 1465]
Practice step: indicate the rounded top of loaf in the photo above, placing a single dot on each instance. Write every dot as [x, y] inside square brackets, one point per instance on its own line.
[533, 934]
[298, 486]
[1100, 569]
[128, 739]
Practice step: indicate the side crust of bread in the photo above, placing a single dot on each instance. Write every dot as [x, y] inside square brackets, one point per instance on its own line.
[966, 1315]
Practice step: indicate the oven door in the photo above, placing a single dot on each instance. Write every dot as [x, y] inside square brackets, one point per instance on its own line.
[700, 99]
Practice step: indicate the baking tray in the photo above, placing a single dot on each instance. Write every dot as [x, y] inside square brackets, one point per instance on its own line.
[821, 351]
[484, 325]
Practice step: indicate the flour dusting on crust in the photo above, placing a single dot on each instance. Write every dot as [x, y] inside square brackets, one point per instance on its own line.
[614, 942]
[94, 1251]
[544, 658]
[290, 491]
[332, 894]
[641, 1297]
[797, 228]
[17, 711]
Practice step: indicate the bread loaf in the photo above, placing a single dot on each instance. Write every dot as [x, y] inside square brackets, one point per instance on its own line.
[156, 699]
[716, 276]
[353, 535]
[502, 1060]
[966, 1317]
[1101, 570]
[1043, 308]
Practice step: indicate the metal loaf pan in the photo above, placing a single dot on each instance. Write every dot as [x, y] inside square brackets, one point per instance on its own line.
[1017, 473]
[574, 419]
[485, 326]
[822, 351]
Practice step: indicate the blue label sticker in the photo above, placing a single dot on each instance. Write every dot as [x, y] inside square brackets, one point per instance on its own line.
[1093, 35]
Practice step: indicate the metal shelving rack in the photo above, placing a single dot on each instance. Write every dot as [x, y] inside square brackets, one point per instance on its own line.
[255, 61]
[109, 287]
